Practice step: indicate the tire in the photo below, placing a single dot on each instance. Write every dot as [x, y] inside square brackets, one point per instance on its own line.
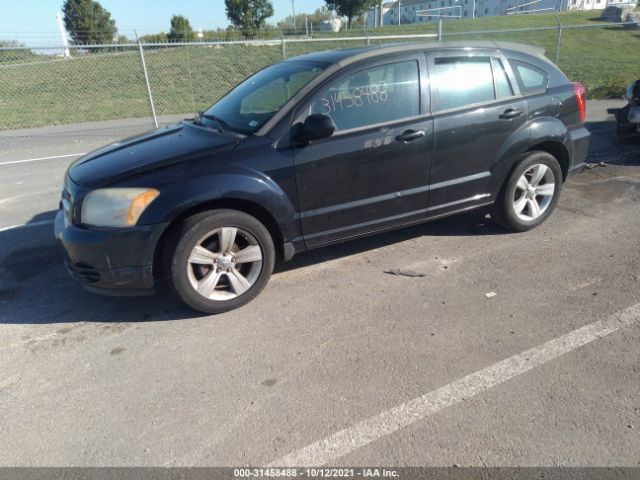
[231, 265]
[514, 209]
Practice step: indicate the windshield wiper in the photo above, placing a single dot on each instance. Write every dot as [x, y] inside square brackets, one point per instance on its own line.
[223, 127]
[221, 123]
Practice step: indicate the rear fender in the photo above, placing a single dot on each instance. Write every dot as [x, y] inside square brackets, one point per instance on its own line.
[535, 131]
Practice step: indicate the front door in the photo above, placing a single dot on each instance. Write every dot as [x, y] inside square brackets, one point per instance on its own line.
[373, 172]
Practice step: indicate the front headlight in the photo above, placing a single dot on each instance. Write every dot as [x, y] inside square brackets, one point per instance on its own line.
[116, 207]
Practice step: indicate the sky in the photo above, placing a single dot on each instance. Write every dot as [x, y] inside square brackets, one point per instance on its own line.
[147, 16]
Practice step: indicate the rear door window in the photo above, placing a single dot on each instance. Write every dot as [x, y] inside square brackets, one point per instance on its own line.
[462, 81]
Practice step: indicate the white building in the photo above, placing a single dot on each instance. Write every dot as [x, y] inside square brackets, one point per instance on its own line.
[420, 11]
[598, 4]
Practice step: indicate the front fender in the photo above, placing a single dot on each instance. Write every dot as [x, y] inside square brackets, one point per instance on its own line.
[234, 183]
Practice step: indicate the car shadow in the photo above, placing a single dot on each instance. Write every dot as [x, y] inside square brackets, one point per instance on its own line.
[473, 223]
[36, 289]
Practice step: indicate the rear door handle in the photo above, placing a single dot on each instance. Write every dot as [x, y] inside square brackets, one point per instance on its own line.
[410, 135]
[510, 113]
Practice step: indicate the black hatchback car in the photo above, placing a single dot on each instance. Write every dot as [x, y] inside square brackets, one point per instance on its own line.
[316, 150]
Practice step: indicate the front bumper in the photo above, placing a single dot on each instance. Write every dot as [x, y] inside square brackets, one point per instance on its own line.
[111, 261]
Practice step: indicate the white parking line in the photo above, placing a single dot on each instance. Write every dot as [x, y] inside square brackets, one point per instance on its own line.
[42, 158]
[372, 429]
[26, 225]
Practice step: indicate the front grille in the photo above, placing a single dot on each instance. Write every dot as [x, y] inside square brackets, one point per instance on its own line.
[83, 272]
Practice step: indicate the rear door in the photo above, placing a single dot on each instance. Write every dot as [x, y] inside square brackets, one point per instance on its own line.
[476, 109]
[373, 172]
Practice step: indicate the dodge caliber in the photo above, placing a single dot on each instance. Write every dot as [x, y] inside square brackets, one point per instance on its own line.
[316, 150]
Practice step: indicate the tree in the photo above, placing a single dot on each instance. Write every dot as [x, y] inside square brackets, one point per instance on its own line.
[315, 18]
[87, 22]
[154, 38]
[16, 52]
[181, 30]
[350, 8]
[248, 15]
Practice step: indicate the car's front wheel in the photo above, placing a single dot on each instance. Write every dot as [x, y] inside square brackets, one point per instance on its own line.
[530, 194]
[220, 260]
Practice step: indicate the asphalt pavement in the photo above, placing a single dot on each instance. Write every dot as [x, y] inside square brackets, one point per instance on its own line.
[512, 350]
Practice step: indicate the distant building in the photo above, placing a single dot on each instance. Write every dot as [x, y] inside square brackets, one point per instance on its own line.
[597, 4]
[420, 11]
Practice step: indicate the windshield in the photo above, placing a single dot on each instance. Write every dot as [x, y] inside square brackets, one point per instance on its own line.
[252, 103]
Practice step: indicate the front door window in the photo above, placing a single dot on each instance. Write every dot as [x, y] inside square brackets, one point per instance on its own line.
[373, 96]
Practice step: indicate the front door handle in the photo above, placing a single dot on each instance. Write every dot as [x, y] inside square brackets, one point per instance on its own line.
[410, 135]
[510, 113]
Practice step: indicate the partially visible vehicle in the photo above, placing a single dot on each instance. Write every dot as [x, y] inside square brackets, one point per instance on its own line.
[628, 117]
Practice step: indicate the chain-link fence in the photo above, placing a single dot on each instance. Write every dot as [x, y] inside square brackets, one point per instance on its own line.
[99, 93]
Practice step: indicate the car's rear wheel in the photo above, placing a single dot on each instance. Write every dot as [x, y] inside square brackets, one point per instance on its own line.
[530, 193]
[220, 260]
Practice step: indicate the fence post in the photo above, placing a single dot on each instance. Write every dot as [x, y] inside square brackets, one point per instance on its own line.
[559, 38]
[367, 40]
[284, 49]
[146, 79]
[439, 29]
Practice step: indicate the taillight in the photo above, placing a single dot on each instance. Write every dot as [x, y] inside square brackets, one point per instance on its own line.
[581, 97]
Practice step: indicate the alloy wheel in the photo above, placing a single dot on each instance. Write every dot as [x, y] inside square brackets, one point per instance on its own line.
[224, 263]
[534, 192]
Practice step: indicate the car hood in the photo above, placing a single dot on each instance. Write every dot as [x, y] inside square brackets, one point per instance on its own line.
[149, 151]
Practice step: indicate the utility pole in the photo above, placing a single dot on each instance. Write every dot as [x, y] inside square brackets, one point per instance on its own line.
[293, 9]
[400, 12]
[63, 36]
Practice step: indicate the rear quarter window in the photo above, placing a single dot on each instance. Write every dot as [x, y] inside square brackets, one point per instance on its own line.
[530, 78]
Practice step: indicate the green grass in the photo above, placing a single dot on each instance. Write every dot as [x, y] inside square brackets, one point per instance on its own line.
[38, 90]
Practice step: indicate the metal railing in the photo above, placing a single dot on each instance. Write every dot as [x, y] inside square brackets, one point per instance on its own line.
[103, 92]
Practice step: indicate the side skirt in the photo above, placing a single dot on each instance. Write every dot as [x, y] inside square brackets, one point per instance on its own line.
[387, 228]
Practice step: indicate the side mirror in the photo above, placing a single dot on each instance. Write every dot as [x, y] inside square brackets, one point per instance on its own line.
[315, 127]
